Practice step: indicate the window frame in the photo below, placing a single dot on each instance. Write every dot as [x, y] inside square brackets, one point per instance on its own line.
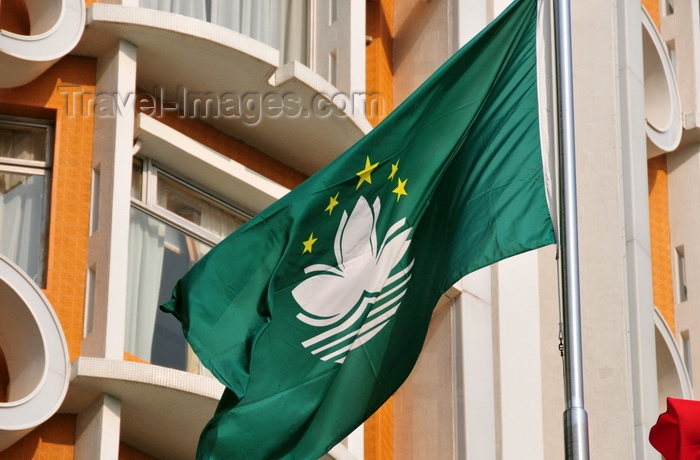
[36, 168]
[147, 203]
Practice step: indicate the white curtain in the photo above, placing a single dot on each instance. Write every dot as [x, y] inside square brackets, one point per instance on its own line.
[294, 30]
[219, 222]
[278, 23]
[21, 209]
[146, 248]
[22, 200]
[192, 8]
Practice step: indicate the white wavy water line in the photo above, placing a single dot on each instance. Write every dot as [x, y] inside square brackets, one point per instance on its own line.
[377, 322]
[365, 302]
[360, 330]
[399, 274]
[346, 324]
[366, 333]
[381, 308]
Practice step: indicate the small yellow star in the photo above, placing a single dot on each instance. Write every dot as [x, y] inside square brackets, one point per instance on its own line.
[394, 170]
[308, 244]
[401, 189]
[332, 204]
[365, 174]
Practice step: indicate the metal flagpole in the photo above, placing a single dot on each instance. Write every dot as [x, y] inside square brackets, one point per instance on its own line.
[575, 416]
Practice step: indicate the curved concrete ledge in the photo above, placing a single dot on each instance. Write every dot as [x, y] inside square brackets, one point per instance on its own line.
[673, 378]
[56, 27]
[301, 136]
[662, 97]
[36, 353]
[155, 402]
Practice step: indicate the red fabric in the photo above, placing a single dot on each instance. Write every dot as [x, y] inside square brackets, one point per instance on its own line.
[677, 431]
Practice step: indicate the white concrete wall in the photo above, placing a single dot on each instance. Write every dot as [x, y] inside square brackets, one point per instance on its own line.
[108, 244]
[517, 358]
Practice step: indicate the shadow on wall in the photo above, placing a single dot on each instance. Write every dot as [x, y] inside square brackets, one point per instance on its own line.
[4, 378]
[14, 17]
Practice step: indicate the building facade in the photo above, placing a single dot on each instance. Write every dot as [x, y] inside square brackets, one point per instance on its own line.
[136, 134]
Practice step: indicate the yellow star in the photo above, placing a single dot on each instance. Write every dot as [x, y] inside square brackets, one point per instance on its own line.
[332, 204]
[401, 189]
[308, 244]
[365, 174]
[394, 170]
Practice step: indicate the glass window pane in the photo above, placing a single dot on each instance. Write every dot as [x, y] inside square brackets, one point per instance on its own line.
[136, 179]
[22, 142]
[21, 221]
[196, 208]
[159, 255]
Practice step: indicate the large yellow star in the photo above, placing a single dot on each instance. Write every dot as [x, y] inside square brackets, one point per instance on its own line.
[394, 170]
[401, 189]
[333, 203]
[365, 174]
[308, 244]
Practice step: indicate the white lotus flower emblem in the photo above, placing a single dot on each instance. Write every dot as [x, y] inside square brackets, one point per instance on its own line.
[332, 294]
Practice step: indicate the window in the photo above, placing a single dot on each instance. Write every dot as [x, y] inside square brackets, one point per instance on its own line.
[89, 319]
[669, 7]
[173, 224]
[25, 182]
[680, 275]
[281, 24]
[687, 354]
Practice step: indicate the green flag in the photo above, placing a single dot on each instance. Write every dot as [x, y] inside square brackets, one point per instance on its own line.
[315, 311]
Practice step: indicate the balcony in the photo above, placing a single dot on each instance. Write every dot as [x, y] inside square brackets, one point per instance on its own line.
[281, 24]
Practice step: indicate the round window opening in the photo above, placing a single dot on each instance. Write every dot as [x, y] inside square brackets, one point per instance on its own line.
[23, 347]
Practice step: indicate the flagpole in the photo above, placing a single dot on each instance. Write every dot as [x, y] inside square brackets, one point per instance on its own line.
[575, 416]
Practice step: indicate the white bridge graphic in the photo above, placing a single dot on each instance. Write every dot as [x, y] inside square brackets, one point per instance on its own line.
[360, 295]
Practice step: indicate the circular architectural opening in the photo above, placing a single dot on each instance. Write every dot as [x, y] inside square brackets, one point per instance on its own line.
[657, 94]
[21, 340]
[14, 17]
[36, 369]
[661, 96]
[44, 15]
[4, 378]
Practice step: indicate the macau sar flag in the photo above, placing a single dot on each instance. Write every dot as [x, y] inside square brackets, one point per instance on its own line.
[314, 312]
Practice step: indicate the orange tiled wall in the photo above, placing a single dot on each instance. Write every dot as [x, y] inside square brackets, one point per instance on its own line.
[379, 433]
[660, 239]
[379, 57]
[53, 440]
[379, 429]
[652, 7]
[70, 191]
